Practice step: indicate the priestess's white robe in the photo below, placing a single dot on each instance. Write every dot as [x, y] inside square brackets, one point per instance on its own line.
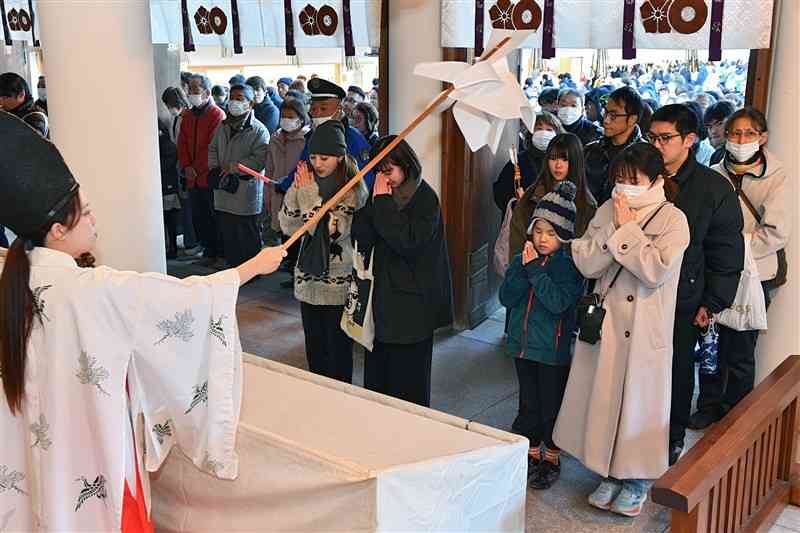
[63, 460]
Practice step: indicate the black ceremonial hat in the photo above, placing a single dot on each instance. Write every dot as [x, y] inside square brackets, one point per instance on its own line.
[321, 89]
[34, 179]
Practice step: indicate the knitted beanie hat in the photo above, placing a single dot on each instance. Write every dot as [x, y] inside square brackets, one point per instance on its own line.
[558, 208]
[328, 139]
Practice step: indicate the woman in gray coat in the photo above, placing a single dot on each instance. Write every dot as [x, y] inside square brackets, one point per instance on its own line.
[615, 414]
[239, 198]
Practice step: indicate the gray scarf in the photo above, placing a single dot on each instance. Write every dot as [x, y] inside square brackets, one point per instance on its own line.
[405, 192]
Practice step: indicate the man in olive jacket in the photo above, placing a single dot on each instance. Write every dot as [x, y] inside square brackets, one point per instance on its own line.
[714, 260]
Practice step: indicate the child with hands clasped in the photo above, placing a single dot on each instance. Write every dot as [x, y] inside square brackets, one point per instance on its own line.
[540, 290]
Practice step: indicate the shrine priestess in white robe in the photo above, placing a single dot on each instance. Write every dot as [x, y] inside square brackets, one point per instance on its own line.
[63, 461]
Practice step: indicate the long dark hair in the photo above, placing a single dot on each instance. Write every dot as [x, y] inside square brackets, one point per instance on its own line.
[647, 159]
[16, 304]
[401, 155]
[569, 146]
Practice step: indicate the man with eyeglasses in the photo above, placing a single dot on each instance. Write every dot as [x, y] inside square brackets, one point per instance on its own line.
[620, 129]
[714, 260]
[714, 119]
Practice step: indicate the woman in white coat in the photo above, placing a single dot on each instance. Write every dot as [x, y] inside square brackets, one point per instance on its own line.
[615, 413]
[759, 179]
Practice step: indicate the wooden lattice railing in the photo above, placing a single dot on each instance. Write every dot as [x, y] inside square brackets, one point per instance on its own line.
[739, 476]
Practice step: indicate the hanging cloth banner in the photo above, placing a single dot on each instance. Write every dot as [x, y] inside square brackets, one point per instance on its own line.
[655, 24]
[349, 46]
[628, 18]
[19, 22]
[466, 23]
[684, 24]
[715, 43]
[286, 24]
[479, 18]
[6, 31]
[548, 49]
[211, 22]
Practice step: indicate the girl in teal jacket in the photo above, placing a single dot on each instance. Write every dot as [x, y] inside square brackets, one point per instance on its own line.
[540, 290]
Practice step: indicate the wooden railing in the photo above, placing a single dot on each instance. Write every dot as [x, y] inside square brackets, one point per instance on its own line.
[739, 476]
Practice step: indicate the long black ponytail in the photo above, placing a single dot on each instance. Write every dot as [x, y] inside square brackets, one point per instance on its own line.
[16, 305]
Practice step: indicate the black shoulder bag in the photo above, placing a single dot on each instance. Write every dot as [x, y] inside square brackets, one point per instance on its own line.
[590, 308]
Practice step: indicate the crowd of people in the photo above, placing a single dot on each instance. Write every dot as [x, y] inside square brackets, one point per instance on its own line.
[309, 137]
[628, 226]
[629, 219]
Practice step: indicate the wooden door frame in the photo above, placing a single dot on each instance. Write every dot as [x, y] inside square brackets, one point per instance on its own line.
[383, 71]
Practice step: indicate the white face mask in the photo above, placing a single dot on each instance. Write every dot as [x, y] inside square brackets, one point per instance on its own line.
[320, 120]
[631, 191]
[742, 152]
[541, 139]
[42, 93]
[569, 115]
[174, 111]
[237, 108]
[197, 100]
[291, 124]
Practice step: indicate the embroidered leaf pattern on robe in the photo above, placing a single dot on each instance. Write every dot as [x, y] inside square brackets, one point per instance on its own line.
[39, 303]
[199, 395]
[163, 430]
[40, 432]
[9, 480]
[95, 488]
[180, 328]
[216, 330]
[90, 373]
[212, 466]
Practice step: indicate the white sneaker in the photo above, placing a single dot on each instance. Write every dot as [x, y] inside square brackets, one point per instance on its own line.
[605, 494]
[628, 503]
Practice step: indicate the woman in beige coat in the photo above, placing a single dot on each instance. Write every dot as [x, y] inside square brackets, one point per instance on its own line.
[615, 413]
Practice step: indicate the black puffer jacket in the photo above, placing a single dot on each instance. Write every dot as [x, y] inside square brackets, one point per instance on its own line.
[530, 163]
[715, 258]
[413, 284]
[586, 130]
[599, 155]
[33, 116]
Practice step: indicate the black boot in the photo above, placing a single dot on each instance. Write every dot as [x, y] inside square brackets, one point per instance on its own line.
[704, 418]
[544, 476]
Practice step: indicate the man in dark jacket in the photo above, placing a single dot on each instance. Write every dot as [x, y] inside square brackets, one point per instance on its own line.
[571, 115]
[714, 119]
[265, 110]
[15, 97]
[714, 260]
[620, 122]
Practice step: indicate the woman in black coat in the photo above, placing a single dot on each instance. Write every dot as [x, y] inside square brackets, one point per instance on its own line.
[412, 294]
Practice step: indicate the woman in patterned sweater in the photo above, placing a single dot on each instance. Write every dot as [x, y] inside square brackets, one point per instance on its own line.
[324, 268]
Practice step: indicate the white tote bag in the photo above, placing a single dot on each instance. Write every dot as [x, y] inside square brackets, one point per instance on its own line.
[357, 320]
[749, 310]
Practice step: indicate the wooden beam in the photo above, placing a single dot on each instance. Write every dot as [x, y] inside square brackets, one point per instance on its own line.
[383, 71]
[758, 72]
[456, 162]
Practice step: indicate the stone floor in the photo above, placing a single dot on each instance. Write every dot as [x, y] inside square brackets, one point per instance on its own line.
[471, 378]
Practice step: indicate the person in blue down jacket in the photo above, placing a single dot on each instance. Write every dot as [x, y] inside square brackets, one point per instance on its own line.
[541, 289]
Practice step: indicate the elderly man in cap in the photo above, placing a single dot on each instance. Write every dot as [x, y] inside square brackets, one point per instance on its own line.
[326, 104]
[238, 198]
